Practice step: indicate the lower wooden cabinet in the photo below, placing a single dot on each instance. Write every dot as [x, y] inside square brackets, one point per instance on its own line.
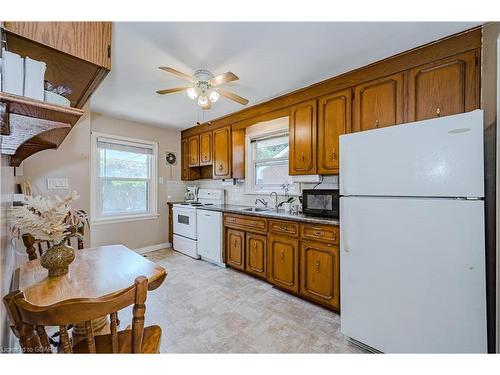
[283, 262]
[301, 258]
[256, 254]
[235, 248]
[320, 273]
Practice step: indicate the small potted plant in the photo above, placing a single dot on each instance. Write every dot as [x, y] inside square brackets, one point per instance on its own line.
[287, 203]
[53, 221]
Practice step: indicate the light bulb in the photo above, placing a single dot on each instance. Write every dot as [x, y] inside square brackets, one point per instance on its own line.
[202, 100]
[214, 96]
[192, 93]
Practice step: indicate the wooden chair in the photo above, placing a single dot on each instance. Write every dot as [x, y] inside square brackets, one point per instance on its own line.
[30, 322]
[32, 244]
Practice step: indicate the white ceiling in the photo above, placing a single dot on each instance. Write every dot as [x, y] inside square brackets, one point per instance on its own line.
[269, 58]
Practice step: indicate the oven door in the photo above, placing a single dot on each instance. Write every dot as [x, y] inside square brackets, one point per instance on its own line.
[185, 222]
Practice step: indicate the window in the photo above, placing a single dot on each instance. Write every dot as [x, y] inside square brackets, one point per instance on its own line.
[124, 178]
[267, 158]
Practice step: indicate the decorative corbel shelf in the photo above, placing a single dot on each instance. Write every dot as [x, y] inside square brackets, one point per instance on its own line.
[28, 126]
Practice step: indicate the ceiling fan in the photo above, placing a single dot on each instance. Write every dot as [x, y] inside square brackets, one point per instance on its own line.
[204, 87]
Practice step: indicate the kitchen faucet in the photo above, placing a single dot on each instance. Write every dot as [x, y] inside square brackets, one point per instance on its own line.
[261, 201]
[275, 200]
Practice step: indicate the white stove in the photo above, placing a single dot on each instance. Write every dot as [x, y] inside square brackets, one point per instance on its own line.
[186, 223]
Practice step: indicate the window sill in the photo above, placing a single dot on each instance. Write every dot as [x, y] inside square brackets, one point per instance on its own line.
[267, 192]
[123, 219]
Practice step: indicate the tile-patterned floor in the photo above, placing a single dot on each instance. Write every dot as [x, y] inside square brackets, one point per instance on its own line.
[203, 308]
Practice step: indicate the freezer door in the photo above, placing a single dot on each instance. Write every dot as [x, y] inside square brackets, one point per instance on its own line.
[413, 274]
[434, 158]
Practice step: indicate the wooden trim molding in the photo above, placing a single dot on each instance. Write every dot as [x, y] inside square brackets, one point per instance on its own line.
[448, 46]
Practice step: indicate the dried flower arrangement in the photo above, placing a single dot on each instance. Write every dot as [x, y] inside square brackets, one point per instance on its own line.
[49, 220]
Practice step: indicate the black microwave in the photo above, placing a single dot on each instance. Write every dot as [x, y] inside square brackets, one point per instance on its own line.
[321, 202]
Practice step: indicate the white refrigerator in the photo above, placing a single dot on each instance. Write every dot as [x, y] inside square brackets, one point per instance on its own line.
[412, 236]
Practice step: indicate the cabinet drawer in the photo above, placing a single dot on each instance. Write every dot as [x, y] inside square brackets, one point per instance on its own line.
[319, 232]
[250, 223]
[284, 227]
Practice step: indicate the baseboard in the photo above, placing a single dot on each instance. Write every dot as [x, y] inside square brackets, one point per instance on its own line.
[147, 249]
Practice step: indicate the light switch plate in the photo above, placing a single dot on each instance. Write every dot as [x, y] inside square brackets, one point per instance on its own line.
[57, 184]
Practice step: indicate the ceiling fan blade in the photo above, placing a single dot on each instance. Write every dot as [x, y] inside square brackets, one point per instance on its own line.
[185, 76]
[207, 106]
[232, 96]
[170, 91]
[223, 78]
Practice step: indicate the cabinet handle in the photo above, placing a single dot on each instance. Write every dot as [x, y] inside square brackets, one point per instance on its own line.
[318, 233]
[377, 123]
[220, 167]
[317, 265]
[334, 154]
[282, 227]
[302, 157]
[282, 257]
[438, 112]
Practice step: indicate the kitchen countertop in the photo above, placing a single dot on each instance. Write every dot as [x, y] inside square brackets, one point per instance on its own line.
[271, 214]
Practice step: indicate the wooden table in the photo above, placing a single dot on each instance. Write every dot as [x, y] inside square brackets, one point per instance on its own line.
[95, 272]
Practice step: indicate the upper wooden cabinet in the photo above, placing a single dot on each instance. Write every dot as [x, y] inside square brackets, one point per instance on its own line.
[184, 160]
[222, 152]
[238, 153]
[77, 55]
[302, 133]
[379, 103]
[445, 87]
[194, 151]
[187, 173]
[334, 119]
[89, 41]
[206, 148]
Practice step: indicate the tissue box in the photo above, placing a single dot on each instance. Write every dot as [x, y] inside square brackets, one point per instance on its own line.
[34, 74]
[52, 97]
[12, 73]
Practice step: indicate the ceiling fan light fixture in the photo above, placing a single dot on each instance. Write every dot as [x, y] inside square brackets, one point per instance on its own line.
[202, 100]
[214, 96]
[192, 93]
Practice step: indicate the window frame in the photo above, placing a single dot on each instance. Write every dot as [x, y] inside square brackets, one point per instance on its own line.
[95, 214]
[256, 132]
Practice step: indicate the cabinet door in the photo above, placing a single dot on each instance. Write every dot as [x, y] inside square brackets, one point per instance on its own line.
[379, 103]
[184, 159]
[445, 87]
[194, 151]
[334, 120]
[255, 257]
[302, 132]
[235, 248]
[222, 152]
[283, 262]
[320, 273]
[206, 148]
[90, 41]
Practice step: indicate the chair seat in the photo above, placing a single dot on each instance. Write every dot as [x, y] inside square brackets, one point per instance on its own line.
[150, 342]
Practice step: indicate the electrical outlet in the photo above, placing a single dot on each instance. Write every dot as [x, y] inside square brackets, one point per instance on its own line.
[57, 184]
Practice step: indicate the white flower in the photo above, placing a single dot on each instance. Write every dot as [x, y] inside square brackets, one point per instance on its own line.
[47, 220]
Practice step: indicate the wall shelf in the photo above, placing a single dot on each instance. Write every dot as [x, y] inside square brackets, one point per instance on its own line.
[29, 125]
